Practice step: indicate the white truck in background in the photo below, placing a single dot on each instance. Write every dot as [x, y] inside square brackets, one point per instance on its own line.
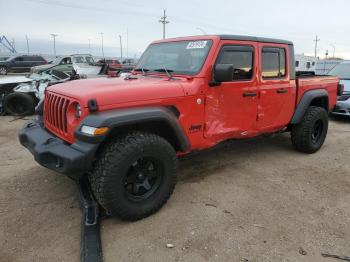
[305, 64]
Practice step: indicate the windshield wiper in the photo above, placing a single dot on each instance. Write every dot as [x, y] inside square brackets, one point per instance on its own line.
[143, 70]
[167, 71]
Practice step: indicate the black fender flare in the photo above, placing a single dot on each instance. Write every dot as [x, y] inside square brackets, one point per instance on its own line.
[129, 116]
[305, 103]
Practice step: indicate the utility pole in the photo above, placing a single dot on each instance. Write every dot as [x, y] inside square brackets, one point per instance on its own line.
[121, 47]
[103, 52]
[127, 43]
[89, 46]
[54, 43]
[325, 61]
[164, 22]
[27, 44]
[316, 41]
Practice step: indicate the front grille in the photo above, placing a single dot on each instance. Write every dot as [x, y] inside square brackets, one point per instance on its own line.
[55, 113]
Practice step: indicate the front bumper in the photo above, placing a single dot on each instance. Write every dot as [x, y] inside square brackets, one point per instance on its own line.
[55, 154]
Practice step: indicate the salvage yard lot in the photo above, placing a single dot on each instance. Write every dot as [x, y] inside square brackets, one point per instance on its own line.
[254, 200]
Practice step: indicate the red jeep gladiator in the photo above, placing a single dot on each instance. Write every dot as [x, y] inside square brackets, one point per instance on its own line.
[184, 95]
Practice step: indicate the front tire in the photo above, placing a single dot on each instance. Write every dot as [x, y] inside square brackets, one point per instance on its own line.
[134, 175]
[309, 135]
[19, 104]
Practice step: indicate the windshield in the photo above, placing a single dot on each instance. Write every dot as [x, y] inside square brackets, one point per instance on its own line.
[56, 60]
[184, 57]
[341, 70]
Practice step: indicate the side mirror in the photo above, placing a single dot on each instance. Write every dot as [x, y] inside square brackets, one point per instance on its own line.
[223, 73]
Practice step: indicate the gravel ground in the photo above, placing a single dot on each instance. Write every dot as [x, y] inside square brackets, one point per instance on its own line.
[254, 200]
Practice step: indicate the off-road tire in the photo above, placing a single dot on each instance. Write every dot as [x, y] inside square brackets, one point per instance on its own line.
[112, 165]
[19, 104]
[3, 70]
[303, 134]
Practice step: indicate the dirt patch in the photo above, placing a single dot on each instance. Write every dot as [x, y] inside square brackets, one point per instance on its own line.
[254, 200]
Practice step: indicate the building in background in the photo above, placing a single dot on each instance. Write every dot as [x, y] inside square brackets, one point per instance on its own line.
[305, 63]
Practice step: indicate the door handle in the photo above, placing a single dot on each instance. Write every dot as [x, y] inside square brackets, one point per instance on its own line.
[282, 91]
[249, 94]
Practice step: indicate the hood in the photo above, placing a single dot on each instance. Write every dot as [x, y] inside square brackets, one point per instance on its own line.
[346, 84]
[14, 80]
[107, 91]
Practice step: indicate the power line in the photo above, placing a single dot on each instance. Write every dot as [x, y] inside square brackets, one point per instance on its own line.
[164, 22]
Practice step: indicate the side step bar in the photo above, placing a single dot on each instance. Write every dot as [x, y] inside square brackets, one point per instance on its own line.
[90, 239]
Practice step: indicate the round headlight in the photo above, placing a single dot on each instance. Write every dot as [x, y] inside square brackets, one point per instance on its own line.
[78, 111]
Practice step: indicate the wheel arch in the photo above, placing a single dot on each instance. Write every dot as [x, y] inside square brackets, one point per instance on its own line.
[317, 97]
[162, 121]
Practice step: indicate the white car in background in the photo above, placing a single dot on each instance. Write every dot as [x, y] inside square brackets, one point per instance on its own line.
[342, 70]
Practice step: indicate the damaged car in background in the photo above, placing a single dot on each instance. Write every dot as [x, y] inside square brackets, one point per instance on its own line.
[81, 64]
[20, 95]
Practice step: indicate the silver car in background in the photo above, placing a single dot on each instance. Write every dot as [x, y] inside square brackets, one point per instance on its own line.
[342, 70]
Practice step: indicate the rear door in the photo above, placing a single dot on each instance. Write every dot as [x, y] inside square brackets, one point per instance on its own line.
[231, 107]
[276, 91]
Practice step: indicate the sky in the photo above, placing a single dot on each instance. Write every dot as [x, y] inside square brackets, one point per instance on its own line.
[138, 22]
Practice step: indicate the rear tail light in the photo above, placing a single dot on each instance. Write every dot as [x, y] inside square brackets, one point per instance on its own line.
[340, 89]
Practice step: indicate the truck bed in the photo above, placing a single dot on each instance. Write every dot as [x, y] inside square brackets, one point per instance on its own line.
[329, 83]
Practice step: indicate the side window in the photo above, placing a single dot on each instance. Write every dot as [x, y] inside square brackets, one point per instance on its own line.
[241, 57]
[296, 63]
[308, 65]
[273, 62]
[29, 58]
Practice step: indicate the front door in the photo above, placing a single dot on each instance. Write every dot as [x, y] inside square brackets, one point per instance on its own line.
[231, 107]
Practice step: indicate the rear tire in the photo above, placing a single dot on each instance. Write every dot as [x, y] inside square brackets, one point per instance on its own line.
[309, 135]
[19, 104]
[134, 175]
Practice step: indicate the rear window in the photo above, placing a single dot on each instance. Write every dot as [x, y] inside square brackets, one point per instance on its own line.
[273, 62]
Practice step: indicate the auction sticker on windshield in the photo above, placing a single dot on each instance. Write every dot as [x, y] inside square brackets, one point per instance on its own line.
[196, 44]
